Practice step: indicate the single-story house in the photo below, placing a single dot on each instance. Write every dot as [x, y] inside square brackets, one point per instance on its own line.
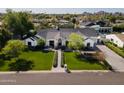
[60, 37]
[117, 39]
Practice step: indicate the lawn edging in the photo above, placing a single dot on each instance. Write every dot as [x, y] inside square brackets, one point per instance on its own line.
[55, 61]
[62, 59]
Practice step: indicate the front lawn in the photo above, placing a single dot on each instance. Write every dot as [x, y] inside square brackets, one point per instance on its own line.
[41, 60]
[75, 63]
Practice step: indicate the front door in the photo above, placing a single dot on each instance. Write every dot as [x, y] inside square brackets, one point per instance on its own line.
[59, 43]
[88, 45]
[66, 43]
[51, 43]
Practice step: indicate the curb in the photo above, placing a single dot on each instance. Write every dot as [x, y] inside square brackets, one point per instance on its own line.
[72, 71]
[90, 71]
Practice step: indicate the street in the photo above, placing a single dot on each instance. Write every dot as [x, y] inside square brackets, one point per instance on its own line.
[78, 78]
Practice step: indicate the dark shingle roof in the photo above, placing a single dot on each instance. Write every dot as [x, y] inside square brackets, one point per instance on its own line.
[89, 32]
[64, 33]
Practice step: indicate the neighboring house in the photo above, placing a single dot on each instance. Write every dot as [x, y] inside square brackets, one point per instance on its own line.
[102, 30]
[86, 24]
[59, 38]
[117, 39]
[62, 22]
[99, 26]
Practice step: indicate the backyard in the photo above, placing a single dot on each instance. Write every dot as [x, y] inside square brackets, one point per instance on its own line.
[41, 60]
[75, 63]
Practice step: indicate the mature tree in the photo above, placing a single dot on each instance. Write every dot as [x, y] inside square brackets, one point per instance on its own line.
[19, 23]
[76, 41]
[13, 48]
[4, 37]
[41, 42]
[112, 19]
[31, 33]
[21, 65]
[74, 20]
[67, 17]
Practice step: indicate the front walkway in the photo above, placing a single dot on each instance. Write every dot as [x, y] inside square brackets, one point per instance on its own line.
[58, 68]
[116, 61]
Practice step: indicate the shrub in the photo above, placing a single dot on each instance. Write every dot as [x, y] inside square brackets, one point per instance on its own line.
[115, 49]
[99, 56]
[55, 62]
[62, 59]
[41, 43]
[21, 65]
[13, 48]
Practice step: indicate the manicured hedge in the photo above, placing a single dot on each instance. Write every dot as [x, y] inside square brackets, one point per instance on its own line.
[62, 59]
[115, 48]
[55, 61]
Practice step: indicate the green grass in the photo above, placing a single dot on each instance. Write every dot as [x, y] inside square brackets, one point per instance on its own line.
[42, 60]
[117, 50]
[75, 63]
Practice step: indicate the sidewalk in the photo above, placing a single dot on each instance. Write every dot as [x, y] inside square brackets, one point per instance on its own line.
[58, 68]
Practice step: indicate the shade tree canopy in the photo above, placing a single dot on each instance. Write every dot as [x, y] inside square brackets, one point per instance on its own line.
[76, 41]
[19, 23]
[13, 48]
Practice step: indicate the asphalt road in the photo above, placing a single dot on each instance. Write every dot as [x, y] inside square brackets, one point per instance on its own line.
[84, 78]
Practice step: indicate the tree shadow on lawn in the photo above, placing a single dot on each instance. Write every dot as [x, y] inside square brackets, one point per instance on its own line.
[43, 51]
[85, 59]
[91, 61]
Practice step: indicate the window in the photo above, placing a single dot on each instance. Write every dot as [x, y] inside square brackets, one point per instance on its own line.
[88, 45]
[51, 43]
[112, 40]
[29, 43]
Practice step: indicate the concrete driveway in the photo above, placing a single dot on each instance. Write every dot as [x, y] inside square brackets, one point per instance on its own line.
[116, 61]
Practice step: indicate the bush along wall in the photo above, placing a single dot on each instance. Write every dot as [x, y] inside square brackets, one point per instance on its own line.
[55, 61]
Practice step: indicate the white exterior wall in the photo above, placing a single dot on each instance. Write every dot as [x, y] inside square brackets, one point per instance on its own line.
[33, 43]
[55, 42]
[92, 42]
[116, 40]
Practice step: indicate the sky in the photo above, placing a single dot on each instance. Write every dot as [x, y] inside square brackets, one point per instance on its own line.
[65, 10]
